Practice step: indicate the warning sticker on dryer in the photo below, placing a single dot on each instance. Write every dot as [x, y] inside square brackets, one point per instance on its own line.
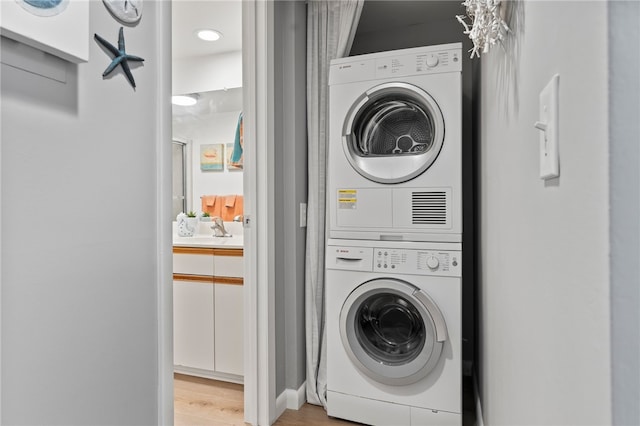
[347, 198]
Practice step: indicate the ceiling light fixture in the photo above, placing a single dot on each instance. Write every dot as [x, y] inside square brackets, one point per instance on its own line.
[209, 35]
[184, 100]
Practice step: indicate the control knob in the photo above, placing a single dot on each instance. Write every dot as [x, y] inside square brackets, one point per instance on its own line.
[432, 60]
[433, 263]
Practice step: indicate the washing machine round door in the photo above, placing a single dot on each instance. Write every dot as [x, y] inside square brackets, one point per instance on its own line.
[393, 133]
[392, 331]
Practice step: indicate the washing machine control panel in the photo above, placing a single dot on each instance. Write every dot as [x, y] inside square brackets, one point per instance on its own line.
[418, 262]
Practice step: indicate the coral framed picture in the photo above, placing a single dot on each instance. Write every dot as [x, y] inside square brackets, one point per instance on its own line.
[212, 157]
[58, 27]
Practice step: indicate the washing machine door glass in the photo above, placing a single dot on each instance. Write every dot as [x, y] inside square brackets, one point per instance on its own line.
[392, 331]
[389, 328]
[393, 133]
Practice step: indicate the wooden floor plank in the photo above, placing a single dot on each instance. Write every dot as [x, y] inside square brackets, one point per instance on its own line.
[200, 401]
[309, 415]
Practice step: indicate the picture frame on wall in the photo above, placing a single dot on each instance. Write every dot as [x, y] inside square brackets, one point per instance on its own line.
[212, 157]
[58, 27]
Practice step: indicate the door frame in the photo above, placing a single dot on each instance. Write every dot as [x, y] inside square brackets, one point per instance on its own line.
[259, 262]
[259, 180]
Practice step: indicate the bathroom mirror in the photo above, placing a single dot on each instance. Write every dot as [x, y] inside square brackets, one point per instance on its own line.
[206, 131]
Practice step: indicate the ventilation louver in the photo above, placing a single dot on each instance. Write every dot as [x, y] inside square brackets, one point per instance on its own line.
[429, 208]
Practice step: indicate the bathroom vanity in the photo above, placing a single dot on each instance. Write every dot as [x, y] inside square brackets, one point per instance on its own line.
[208, 307]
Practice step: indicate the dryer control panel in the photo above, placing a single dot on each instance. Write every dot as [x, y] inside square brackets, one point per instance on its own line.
[395, 64]
[418, 262]
[420, 63]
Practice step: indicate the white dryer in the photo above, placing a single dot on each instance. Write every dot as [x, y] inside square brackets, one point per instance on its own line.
[393, 324]
[394, 163]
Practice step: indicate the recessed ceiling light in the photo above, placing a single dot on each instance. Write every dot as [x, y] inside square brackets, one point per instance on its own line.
[209, 35]
[184, 100]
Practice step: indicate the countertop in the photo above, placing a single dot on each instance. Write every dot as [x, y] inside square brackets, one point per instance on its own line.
[199, 240]
[204, 237]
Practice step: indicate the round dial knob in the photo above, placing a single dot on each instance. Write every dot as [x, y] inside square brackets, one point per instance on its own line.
[432, 60]
[433, 262]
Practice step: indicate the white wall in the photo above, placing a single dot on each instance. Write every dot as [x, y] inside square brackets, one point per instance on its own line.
[203, 74]
[80, 238]
[545, 348]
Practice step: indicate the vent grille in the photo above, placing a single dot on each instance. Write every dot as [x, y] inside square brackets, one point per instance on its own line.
[429, 208]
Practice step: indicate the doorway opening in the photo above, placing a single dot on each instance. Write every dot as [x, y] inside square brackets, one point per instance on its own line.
[208, 168]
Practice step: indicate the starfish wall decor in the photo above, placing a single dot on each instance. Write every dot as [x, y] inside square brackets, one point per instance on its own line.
[120, 56]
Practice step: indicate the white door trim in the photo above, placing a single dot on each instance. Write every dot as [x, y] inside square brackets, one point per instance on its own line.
[259, 277]
[164, 243]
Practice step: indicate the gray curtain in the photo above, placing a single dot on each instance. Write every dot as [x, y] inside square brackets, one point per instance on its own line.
[331, 26]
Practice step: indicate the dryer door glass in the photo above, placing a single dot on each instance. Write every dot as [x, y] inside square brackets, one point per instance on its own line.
[392, 331]
[393, 133]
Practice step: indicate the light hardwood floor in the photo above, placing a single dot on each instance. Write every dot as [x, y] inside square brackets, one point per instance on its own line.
[204, 402]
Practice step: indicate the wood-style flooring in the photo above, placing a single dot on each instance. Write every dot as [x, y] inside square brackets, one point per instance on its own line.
[204, 402]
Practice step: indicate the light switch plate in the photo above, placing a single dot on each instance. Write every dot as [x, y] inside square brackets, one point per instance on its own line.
[549, 161]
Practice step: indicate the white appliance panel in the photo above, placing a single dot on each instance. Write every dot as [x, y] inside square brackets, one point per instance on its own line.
[363, 208]
[422, 416]
[368, 411]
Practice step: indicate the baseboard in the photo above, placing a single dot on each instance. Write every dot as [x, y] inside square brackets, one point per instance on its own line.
[291, 399]
[300, 397]
[476, 395]
[208, 374]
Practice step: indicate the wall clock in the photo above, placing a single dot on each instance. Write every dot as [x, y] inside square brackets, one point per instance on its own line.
[126, 11]
[44, 7]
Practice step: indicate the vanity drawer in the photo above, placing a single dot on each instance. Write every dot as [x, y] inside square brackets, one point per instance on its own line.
[193, 261]
[228, 263]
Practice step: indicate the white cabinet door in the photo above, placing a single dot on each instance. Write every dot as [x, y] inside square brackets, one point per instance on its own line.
[229, 329]
[193, 330]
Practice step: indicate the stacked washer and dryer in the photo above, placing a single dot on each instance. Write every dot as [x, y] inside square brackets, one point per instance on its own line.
[393, 258]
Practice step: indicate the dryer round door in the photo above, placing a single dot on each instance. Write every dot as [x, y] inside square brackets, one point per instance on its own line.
[393, 133]
[392, 331]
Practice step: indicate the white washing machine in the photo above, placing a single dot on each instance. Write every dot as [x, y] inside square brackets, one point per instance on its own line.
[395, 142]
[393, 324]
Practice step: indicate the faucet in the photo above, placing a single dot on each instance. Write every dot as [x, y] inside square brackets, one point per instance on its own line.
[218, 227]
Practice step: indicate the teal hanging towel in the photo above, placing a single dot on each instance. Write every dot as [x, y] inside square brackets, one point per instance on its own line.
[236, 156]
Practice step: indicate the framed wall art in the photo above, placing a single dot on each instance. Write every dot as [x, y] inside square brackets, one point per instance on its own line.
[58, 27]
[212, 157]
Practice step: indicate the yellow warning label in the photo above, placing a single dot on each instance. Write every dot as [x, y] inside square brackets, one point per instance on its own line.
[347, 198]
